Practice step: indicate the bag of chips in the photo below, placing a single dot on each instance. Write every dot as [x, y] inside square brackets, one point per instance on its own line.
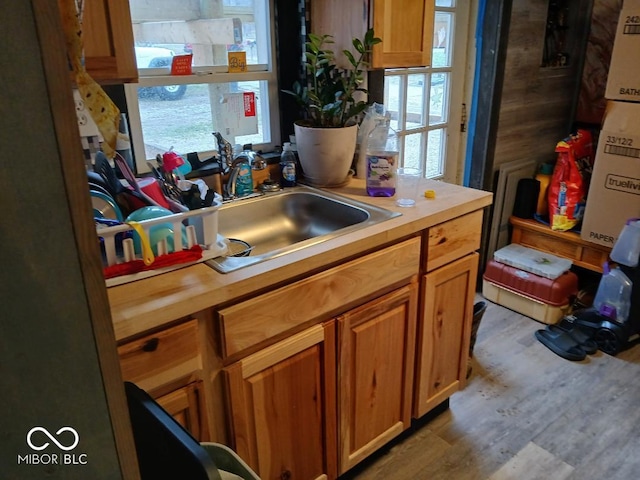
[567, 192]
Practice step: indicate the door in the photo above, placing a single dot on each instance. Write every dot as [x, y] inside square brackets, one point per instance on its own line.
[282, 402]
[375, 373]
[444, 331]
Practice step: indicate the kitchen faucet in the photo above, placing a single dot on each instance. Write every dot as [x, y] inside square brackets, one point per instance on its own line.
[235, 163]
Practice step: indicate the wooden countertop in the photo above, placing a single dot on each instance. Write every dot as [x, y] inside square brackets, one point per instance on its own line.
[147, 304]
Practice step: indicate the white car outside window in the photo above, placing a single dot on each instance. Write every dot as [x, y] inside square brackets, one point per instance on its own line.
[158, 57]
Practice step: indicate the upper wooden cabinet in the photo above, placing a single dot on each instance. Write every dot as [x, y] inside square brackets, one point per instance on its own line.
[405, 27]
[108, 41]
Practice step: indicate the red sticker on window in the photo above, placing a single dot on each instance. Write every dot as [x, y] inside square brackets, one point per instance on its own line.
[249, 104]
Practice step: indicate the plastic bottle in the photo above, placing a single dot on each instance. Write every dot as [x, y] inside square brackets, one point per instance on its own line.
[544, 177]
[382, 160]
[626, 250]
[613, 298]
[244, 180]
[287, 166]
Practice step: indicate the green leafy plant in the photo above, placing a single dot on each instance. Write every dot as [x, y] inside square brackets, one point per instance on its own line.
[328, 99]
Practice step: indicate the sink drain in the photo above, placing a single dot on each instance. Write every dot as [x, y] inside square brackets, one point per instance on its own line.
[238, 248]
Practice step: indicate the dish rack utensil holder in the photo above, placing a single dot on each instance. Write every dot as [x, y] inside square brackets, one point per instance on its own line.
[200, 226]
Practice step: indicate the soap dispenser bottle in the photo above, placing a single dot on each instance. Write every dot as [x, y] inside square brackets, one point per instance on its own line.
[244, 177]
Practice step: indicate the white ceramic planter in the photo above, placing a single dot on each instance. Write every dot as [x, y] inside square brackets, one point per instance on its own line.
[326, 154]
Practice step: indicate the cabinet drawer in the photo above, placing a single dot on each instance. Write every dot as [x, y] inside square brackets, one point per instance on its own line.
[162, 357]
[453, 239]
[315, 298]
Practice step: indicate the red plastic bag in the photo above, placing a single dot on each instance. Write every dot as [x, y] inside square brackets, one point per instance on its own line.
[567, 193]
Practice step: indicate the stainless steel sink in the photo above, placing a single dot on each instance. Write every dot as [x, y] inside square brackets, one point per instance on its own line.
[278, 223]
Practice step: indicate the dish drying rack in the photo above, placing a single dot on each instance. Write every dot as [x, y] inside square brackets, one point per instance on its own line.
[200, 226]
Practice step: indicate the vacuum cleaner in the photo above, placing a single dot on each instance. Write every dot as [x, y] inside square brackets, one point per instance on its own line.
[614, 318]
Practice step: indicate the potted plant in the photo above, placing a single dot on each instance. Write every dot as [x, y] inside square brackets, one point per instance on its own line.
[332, 102]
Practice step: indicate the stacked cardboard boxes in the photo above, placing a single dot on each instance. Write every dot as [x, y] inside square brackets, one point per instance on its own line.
[614, 192]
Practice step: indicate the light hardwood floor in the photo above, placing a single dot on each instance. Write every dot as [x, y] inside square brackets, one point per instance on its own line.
[526, 413]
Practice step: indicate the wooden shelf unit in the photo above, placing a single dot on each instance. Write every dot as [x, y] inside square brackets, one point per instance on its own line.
[533, 234]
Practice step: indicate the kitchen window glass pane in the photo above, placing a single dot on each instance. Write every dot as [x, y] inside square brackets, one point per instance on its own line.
[435, 153]
[438, 100]
[182, 111]
[445, 3]
[443, 33]
[186, 124]
[416, 98]
[413, 150]
[393, 91]
[208, 30]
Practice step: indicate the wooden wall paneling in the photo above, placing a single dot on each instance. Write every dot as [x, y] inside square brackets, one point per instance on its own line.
[536, 108]
[591, 102]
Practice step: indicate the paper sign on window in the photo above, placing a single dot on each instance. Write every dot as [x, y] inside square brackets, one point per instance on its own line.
[249, 104]
[237, 62]
[238, 111]
[181, 64]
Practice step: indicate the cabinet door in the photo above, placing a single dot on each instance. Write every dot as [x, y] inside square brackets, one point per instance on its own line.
[375, 373]
[282, 402]
[444, 331]
[184, 404]
[108, 41]
[406, 29]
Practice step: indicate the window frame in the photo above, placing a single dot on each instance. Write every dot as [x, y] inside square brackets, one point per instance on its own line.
[210, 74]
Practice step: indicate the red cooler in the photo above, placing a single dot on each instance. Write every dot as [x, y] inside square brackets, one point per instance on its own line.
[544, 299]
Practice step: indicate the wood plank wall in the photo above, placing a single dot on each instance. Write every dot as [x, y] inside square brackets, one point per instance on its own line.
[591, 101]
[537, 104]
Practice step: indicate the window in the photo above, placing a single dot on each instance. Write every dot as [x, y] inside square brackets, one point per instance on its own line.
[182, 112]
[426, 103]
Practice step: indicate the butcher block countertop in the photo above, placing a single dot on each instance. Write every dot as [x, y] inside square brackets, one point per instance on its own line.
[148, 304]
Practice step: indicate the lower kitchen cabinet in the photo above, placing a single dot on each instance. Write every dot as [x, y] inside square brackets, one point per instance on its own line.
[185, 405]
[376, 345]
[167, 365]
[282, 407]
[285, 420]
[443, 332]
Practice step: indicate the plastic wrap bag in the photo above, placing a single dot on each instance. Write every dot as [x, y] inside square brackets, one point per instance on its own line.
[567, 192]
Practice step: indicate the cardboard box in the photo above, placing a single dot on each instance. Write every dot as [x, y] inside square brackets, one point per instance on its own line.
[623, 82]
[614, 191]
